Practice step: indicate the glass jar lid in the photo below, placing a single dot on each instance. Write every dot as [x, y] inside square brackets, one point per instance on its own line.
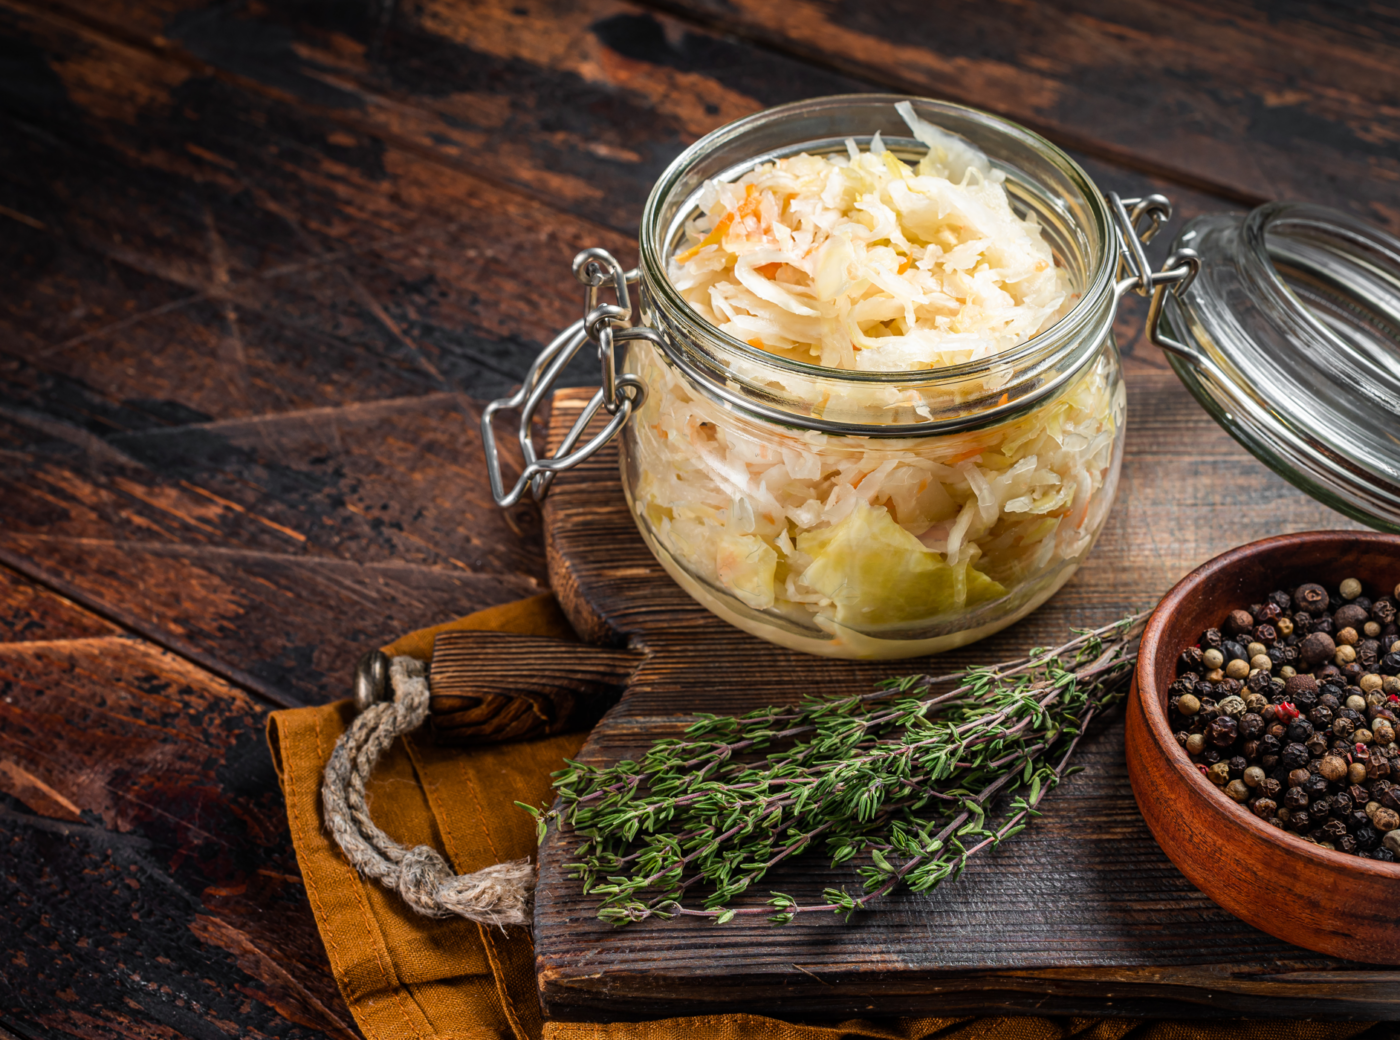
[1289, 336]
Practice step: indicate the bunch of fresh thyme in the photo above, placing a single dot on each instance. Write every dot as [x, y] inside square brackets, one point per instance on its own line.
[905, 780]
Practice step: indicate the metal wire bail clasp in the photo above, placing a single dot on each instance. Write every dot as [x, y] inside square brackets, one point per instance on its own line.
[603, 324]
[1134, 274]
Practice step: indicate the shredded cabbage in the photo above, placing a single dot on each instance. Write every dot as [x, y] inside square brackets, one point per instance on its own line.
[863, 262]
[865, 534]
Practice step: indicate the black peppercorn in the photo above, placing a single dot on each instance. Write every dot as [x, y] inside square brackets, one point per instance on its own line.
[1359, 794]
[1321, 807]
[1211, 639]
[1191, 658]
[1222, 731]
[1299, 730]
[1294, 756]
[1295, 798]
[1315, 785]
[1269, 745]
[1317, 647]
[1277, 654]
[1320, 716]
[1383, 610]
[1266, 634]
[1324, 625]
[1311, 598]
[1366, 836]
[1302, 623]
[1383, 854]
[1263, 807]
[1251, 725]
[1334, 829]
[1299, 820]
[1341, 805]
[1368, 654]
[1270, 787]
[1238, 764]
[1346, 843]
[1349, 615]
[1389, 664]
[1233, 651]
[1356, 819]
[1238, 622]
[1210, 756]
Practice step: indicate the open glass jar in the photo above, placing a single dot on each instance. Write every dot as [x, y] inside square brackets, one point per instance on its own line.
[854, 513]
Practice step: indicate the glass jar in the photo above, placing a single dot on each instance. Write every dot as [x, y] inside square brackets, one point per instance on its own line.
[852, 513]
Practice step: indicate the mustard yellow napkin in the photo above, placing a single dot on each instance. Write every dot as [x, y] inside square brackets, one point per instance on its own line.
[406, 976]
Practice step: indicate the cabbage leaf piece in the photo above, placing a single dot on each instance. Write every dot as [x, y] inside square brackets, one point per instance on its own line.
[877, 573]
[746, 564]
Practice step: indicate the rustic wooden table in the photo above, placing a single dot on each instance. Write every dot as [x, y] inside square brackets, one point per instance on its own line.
[264, 261]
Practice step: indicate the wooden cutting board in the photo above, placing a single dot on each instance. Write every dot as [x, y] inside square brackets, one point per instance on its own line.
[1081, 913]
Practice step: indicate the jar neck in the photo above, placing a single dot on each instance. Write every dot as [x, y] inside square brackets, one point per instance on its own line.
[900, 404]
[1041, 181]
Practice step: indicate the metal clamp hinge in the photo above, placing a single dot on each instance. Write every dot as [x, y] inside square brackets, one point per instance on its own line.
[603, 324]
[1134, 273]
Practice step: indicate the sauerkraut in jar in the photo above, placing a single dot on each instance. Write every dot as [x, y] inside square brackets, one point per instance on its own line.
[887, 414]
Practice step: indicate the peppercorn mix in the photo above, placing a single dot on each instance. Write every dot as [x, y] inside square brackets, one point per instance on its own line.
[1291, 708]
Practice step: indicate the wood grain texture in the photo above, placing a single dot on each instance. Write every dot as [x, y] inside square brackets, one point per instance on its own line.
[149, 883]
[1245, 98]
[1082, 913]
[264, 260]
[1315, 897]
[492, 687]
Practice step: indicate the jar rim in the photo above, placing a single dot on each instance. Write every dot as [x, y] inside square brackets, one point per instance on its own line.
[1059, 337]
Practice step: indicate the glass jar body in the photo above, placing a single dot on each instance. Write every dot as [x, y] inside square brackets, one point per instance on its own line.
[871, 547]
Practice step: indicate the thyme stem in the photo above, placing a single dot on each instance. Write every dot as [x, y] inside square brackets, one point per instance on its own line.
[906, 782]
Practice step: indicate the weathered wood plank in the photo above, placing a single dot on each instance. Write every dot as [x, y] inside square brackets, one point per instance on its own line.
[580, 104]
[1242, 98]
[1082, 913]
[149, 882]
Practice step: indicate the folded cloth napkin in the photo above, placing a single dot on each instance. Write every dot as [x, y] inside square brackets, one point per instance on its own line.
[406, 976]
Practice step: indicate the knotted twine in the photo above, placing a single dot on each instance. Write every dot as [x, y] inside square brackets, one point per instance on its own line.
[498, 895]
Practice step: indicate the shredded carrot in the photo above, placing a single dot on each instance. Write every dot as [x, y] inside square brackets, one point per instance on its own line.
[712, 239]
[907, 263]
[757, 344]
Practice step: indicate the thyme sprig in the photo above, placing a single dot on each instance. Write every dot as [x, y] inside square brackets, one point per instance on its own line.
[909, 781]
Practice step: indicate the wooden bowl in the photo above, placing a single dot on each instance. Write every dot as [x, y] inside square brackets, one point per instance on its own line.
[1317, 898]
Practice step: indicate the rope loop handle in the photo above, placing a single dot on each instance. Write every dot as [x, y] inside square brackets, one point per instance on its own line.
[498, 895]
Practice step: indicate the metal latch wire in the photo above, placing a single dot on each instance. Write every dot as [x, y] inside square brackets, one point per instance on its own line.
[603, 324]
[1134, 273]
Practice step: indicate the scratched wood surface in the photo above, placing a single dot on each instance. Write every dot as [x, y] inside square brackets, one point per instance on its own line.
[262, 264]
